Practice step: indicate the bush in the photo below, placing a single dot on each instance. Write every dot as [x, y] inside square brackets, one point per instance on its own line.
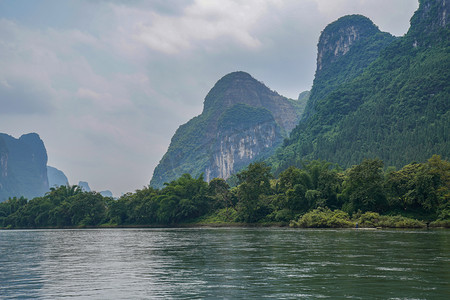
[283, 215]
[372, 219]
[323, 218]
[441, 223]
[224, 215]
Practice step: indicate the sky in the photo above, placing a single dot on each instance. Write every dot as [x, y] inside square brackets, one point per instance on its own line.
[107, 83]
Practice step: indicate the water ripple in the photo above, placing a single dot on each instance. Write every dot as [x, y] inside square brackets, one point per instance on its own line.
[229, 263]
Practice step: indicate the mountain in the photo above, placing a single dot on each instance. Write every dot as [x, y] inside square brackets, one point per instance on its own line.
[106, 193]
[242, 120]
[23, 166]
[84, 186]
[56, 177]
[346, 47]
[396, 108]
[304, 96]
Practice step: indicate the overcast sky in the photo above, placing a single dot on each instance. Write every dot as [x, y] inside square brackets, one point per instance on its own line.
[106, 83]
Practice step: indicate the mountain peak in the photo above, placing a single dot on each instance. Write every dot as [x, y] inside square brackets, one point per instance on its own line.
[338, 37]
[237, 75]
[431, 18]
[241, 88]
[346, 48]
[233, 88]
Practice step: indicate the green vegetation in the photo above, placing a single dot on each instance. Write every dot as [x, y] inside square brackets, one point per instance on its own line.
[243, 115]
[318, 194]
[326, 218]
[323, 218]
[397, 108]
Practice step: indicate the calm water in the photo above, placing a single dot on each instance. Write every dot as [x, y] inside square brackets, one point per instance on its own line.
[225, 263]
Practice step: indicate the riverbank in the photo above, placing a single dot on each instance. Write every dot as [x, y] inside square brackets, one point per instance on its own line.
[319, 218]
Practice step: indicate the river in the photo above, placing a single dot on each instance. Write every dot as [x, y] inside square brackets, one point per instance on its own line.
[224, 263]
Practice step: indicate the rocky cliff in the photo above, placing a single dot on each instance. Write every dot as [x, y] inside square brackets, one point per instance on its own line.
[242, 120]
[338, 37]
[241, 139]
[23, 166]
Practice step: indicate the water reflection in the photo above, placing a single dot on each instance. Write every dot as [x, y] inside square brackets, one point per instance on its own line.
[224, 263]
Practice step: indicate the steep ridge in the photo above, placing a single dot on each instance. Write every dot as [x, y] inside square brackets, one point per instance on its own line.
[23, 166]
[346, 47]
[396, 109]
[242, 120]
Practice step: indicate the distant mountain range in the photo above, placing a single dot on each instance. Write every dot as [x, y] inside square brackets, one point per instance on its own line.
[24, 171]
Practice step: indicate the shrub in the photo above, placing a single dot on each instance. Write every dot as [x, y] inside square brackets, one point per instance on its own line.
[323, 218]
[372, 219]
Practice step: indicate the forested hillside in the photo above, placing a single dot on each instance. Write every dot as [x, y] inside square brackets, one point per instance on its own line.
[397, 109]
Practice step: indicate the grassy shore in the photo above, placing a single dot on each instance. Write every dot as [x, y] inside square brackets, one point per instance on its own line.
[317, 218]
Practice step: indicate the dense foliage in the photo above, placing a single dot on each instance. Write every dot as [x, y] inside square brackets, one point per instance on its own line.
[243, 115]
[318, 194]
[397, 108]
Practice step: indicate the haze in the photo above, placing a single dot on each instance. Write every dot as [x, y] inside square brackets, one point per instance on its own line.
[106, 83]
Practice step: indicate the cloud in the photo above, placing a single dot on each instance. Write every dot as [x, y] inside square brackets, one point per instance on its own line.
[199, 24]
[395, 22]
[24, 97]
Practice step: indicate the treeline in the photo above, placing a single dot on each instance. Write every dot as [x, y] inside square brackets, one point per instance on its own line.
[318, 194]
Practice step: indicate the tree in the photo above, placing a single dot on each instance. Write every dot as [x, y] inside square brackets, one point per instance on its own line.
[183, 199]
[363, 187]
[316, 185]
[423, 187]
[87, 209]
[254, 185]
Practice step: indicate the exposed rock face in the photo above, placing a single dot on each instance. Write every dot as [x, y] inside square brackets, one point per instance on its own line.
[338, 37]
[346, 47]
[242, 120]
[234, 149]
[23, 166]
[56, 177]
